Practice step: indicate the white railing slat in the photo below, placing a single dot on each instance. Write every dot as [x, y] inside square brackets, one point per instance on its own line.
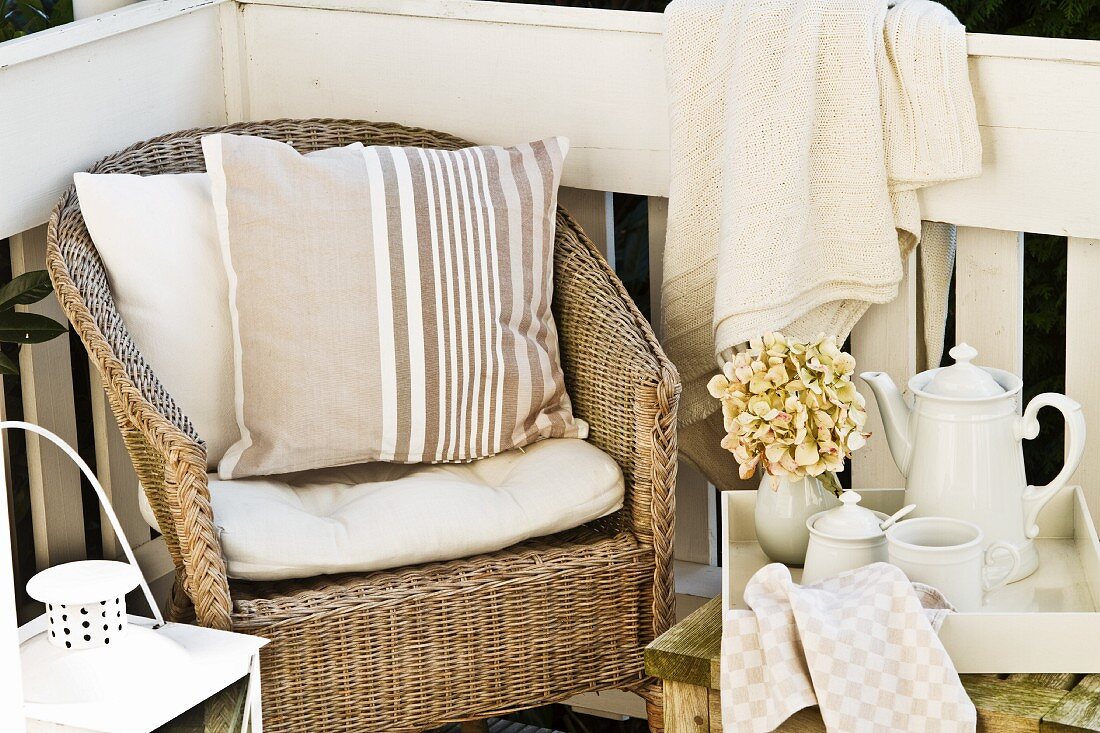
[696, 509]
[594, 211]
[7, 489]
[989, 296]
[658, 223]
[1082, 351]
[885, 340]
[116, 472]
[57, 510]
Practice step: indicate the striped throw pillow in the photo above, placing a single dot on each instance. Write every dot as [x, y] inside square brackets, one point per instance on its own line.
[389, 304]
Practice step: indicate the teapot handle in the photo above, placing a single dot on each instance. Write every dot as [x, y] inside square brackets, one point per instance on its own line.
[1027, 427]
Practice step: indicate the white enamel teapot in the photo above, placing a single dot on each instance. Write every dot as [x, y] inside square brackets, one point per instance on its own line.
[960, 448]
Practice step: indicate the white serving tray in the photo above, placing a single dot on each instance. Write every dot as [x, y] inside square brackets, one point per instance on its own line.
[1048, 622]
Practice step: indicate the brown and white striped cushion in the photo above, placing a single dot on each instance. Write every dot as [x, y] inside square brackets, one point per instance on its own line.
[389, 304]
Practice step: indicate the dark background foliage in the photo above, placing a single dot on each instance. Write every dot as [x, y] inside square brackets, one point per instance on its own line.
[20, 17]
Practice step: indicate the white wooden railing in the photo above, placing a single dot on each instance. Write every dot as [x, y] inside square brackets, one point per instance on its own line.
[504, 73]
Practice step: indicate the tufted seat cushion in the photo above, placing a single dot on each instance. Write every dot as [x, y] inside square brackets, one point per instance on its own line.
[374, 516]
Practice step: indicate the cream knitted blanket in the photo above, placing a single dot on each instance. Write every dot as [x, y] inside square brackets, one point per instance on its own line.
[800, 132]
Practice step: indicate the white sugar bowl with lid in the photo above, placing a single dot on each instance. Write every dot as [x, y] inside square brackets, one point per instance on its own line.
[844, 538]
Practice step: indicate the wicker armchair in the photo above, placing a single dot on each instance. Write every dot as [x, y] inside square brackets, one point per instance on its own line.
[413, 647]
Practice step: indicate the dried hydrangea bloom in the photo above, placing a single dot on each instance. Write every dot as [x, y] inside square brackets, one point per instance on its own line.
[791, 407]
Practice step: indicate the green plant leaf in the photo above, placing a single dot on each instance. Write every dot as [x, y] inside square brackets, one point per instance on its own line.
[30, 287]
[8, 365]
[28, 328]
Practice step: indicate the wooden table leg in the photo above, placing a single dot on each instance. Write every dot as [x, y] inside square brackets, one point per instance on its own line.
[687, 708]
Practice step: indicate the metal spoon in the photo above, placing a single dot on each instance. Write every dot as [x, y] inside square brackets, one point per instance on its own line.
[889, 521]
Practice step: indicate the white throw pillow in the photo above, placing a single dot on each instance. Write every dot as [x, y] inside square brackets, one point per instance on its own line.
[158, 239]
[159, 242]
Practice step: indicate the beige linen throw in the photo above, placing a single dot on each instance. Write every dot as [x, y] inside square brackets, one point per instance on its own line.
[801, 130]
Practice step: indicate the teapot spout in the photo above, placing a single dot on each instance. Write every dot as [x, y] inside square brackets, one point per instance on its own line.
[895, 417]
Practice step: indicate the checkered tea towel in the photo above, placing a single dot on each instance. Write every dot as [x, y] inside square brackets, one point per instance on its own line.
[860, 644]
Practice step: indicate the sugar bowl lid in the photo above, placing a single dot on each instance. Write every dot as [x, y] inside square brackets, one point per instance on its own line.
[849, 520]
[963, 379]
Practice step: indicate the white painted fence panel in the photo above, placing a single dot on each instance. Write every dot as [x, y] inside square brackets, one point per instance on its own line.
[488, 80]
[116, 473]
[504, 73]
[76, 93]
[600, 80]
[57, 510]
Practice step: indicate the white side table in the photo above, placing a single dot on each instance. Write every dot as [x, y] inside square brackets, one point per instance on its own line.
[138, 680]
[149, 678]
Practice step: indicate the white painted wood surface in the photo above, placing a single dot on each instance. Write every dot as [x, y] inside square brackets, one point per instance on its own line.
[116, 473]
[600, 81]
[989, 296]
[96, 86]
[595, 212]
[87, 8]
[490, 80]
[1082, 354]
[57, 511]
[885, 340]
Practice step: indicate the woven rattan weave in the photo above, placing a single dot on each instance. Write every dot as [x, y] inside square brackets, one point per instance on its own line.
[413, 647]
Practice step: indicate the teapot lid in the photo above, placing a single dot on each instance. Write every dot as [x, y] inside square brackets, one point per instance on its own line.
[963, 379]
[849, 520]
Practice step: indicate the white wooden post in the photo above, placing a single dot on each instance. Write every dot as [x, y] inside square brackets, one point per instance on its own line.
[885, 340]
[696, 510]
[57, 512]
[11, 669]
[1082, 350]
[116, 473]
[989, 296]
[595, 212]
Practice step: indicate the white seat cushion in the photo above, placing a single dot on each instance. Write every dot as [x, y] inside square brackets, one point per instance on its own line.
[374, 516]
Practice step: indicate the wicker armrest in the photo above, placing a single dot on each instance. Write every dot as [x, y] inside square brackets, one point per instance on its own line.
[621, 382]
[167, 452]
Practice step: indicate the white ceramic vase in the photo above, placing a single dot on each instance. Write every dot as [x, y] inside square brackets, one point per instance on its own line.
[782, 509]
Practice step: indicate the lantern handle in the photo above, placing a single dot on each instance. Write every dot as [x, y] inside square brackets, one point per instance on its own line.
[107, 508]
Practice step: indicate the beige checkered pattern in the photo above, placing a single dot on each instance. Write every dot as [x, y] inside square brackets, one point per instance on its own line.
[859, 644]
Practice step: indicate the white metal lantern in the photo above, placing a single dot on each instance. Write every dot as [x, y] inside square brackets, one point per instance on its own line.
[87, 665]
[85, 601]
